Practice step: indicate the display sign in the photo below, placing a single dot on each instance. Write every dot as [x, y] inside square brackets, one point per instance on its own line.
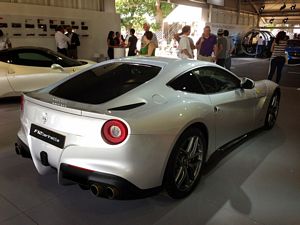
[32, 27]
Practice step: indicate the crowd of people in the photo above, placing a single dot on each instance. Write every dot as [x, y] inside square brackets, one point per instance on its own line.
[148, 42]
[209, 47]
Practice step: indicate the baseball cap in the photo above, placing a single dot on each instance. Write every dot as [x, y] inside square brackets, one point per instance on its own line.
[220, 31]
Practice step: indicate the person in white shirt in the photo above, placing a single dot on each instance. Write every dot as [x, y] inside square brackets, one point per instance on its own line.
[61, 40]
[259, 47]
[4, 41]
[185, 49]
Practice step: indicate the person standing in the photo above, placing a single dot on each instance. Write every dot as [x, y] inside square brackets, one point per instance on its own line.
[75, 42]
[149, 47]
[230, 49]
[132, 41]
[146, 27]
[110, 44]
[4, 41]
[61, 41]
[222, 48]
[278, 56]
[117, 39]
[259, 47]
[207, 46]
[185, 49]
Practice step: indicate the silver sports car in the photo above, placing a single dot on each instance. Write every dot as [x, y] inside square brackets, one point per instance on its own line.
[126, 128]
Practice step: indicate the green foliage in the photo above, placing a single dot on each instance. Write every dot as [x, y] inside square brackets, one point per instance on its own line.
[134, 13]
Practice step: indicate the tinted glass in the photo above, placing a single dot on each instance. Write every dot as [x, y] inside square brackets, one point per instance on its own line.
[187, 82]
[105, 82]
[63, 60]
[33, 59]
[215, 80]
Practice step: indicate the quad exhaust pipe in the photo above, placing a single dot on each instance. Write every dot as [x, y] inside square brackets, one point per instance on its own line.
[96, 189]
[104, 191]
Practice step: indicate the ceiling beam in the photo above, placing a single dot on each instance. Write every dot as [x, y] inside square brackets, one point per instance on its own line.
[280, 14]
[256, 10]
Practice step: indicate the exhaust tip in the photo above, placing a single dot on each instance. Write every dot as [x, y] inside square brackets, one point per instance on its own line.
[111, 192]
[96, 189]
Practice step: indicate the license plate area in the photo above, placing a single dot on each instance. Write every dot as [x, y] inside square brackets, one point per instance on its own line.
[48, 136]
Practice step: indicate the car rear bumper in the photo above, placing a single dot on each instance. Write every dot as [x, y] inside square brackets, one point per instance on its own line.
[109, 186]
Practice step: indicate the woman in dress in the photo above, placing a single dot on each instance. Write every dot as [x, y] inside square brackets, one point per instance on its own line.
[149, 48]
[110, 44]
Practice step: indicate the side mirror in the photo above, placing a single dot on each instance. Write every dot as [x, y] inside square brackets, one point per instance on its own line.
[247, 83]
[57, 67]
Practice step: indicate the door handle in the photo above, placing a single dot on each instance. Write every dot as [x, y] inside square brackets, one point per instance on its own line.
[216, 109]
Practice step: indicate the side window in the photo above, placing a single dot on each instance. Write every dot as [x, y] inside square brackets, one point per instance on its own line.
[216, 80]
[33, 59]
[187, 82]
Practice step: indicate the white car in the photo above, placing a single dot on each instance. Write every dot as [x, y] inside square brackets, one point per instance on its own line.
[29, 68]
[128, 127]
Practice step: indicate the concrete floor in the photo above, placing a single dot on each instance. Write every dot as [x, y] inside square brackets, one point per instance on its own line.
[257, 182]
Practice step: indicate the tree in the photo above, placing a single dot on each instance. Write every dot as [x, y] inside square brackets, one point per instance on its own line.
[134, 13]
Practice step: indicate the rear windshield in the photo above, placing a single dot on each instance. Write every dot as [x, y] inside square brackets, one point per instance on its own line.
[293, 43]
[105, 82]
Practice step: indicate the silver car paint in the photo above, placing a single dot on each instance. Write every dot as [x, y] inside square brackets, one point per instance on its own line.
[153, 127]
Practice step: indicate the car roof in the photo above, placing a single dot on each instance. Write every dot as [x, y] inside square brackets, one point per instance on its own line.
[170, 66]
[26, 48]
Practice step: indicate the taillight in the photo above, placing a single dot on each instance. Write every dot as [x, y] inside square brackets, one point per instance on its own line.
[22, 103]
[114, 132]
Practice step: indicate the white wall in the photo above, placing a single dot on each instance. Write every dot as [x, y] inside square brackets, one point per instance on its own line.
[100, 23]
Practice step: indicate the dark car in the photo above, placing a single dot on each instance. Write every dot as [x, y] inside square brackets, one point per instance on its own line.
[293, 51]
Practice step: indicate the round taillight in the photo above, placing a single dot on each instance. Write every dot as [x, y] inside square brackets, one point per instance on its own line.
[114, 132]
[22, 103]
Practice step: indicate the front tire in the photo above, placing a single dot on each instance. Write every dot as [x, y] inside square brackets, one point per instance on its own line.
[185, 164]
[272, 112]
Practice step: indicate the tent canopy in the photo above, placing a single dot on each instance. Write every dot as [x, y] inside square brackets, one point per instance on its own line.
[184, 14]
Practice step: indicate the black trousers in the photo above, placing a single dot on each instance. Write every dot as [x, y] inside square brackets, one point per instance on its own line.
[62, 51]
[110, 53]
[276, 63]
[221, 62]
[131, 53]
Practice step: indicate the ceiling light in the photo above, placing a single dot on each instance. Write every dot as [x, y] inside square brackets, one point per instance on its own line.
[285, 20]
[282, 7]
[293, 7]
[271, 20]
[261, 9]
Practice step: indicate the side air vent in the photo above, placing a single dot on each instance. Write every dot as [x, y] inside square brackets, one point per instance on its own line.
[127, 107]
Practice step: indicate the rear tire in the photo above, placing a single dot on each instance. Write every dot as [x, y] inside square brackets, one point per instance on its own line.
[185, 164]
[272, 111]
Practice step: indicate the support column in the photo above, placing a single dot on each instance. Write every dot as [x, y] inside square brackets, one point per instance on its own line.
[258, 19]
[238, 12]
[210, 12]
